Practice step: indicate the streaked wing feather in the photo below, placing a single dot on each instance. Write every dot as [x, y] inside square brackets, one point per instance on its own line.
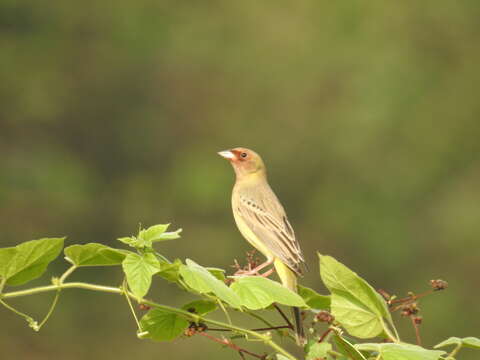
[271, 226]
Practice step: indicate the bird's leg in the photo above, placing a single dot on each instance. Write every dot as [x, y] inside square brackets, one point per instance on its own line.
[255, 271]
[267, 273]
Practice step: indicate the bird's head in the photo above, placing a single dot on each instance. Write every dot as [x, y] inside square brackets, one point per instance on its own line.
[244, 161]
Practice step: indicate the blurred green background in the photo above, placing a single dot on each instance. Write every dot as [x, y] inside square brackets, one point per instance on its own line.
[366, 113]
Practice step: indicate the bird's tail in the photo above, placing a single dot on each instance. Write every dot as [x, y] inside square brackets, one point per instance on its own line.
[289, 280]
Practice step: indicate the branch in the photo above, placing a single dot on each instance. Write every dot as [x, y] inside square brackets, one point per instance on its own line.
[116, 290]
[231, 345]
[289, 324]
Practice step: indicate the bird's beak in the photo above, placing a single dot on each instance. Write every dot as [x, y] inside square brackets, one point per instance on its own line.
[227, 154]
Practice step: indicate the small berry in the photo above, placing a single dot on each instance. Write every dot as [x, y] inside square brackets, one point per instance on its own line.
[325, 316]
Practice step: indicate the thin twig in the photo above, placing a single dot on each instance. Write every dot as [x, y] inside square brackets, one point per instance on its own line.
[227, 315]
[290, 325]
[258, 329]
[324, 335]
[272, 328]
[232, 345]
[417, 330]
[411, 297]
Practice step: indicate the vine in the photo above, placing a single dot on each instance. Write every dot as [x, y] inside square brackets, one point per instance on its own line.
[338, 323]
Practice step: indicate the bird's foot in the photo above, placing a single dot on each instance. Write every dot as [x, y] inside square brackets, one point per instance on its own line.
[256, 271]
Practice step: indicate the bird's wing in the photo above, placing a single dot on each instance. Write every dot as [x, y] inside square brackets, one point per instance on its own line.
[269, 223]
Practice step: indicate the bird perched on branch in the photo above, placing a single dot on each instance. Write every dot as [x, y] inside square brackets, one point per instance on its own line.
[262, 221]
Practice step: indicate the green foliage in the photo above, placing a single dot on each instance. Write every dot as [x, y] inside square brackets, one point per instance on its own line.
[163, 325]
[139, 270]
[319, 351]
[146, 237]
[469, 342]
[202, 281]
[355, 304]
[346, 348]
[356, 307]
[313, 299]
[94, 254]
[401, 351]
[170, 271]
[200, 307]
[28, 260]
[258, 293]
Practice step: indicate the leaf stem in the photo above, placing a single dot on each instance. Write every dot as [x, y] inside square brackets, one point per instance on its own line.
[116, 290]
[389, 333]
[290, 325]
[266, 322]
[455, 351]
[67, 273]
[227, 315]
[125, 290]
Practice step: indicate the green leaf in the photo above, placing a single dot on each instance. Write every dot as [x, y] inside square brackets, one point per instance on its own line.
[171, 235]
[200, 307]
[170, 271]
[470, 342]
[389, 351]
[139, 270]
[129, 240]
[6, 256]
[319, 351]
[258, 293]
[153, 233]
[94, 254]
[163, 325]
[281, 357]
[346, 348]
[199, 279]
[29, 260]
[354, 303]
[450, 341]
[218, 273]
[313, 299]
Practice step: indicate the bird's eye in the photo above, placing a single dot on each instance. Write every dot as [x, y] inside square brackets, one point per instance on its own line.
[243, 154]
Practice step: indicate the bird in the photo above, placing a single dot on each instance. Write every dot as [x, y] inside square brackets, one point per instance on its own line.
[262, 221]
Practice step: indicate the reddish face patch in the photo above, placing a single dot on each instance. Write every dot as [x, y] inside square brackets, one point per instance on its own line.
[241, 154]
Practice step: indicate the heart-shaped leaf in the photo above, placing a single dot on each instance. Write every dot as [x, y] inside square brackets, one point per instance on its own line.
[354, 303]
[139, 270]
[201, 280]
[162, 325]
[258, 293]
[29, 260]
[94, 254]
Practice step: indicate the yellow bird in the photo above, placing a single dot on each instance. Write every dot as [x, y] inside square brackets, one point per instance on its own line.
[261, 220]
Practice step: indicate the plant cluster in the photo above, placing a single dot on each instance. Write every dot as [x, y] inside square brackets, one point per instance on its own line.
[338, 323]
